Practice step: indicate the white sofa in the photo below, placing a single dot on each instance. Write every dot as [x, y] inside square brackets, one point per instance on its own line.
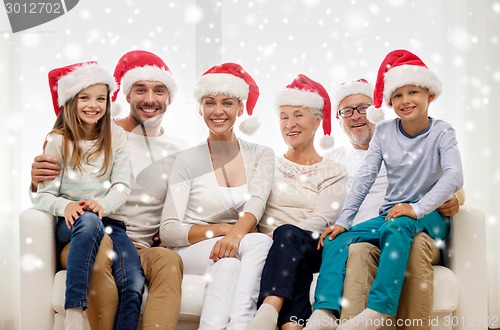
[460, 295]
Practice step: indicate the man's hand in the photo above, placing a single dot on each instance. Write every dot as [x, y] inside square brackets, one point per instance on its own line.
[157, 240]
[401, 210]
[72, 212]
[450, 207]
[333, 231]
[92, 206]
[44, 168]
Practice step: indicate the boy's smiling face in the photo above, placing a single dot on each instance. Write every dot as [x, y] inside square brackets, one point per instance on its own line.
[411, 104]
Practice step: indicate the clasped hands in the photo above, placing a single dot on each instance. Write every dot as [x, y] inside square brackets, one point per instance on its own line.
[75, 209]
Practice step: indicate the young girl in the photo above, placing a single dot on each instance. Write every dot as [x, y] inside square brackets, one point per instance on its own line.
[93, 184]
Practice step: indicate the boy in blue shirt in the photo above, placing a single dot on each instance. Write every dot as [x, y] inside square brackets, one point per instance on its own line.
[424, 169]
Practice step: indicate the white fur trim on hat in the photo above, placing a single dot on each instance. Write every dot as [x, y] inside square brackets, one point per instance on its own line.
[221, 83]
[69, 85]
[403, 75]
[149, 73]
[350, 88]
[375, 115]
[300, 98]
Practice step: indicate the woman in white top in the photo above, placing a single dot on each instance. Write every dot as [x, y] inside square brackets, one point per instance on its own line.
[217, 194]
[307, 196]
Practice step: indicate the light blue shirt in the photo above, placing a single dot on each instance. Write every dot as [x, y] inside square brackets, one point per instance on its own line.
[423, 170]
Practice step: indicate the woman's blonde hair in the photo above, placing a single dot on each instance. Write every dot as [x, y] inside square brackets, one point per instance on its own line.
[69, 125]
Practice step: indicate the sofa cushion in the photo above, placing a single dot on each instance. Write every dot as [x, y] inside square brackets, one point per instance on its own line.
[445, 290]
[193, 288]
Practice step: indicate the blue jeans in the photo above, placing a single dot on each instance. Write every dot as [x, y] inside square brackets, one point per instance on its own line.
[126, 267]
[85, 239]
[128, 274]
[394, 237]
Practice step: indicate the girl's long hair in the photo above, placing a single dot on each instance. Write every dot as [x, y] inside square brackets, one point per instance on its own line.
[69, 125]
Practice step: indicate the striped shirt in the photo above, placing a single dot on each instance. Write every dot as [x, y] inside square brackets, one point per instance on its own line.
[110, 190]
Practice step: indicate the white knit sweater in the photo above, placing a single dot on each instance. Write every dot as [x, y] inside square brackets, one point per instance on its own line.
[309, 197]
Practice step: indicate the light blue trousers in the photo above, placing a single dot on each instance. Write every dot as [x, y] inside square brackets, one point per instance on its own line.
[394, 238]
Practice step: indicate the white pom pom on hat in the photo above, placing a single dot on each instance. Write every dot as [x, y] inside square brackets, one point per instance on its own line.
[249, 126]
[375, 115]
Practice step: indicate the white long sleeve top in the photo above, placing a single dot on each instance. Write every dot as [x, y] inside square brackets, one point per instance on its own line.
[194, 196]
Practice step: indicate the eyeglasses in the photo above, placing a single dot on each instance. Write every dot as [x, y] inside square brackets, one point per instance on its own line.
[348, 112]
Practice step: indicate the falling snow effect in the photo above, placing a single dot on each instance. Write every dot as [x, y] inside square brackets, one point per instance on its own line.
[332, 41]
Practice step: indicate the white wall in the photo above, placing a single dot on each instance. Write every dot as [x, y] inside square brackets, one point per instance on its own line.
[331, 41]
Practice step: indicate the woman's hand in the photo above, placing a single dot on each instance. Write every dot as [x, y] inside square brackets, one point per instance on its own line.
[72, 212]
[226, 247]
[92, 205]
[333, 231]
[401, 210]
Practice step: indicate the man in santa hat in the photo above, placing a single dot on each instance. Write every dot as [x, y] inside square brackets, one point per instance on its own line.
[149, 88]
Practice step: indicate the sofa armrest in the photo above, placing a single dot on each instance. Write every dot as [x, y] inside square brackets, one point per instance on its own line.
[467, 259]
[38, 266]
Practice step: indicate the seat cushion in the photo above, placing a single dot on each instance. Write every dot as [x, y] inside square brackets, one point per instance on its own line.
[445, 290]
[193, 288]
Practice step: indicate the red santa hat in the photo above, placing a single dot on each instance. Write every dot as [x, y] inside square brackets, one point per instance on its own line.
[231, 79]
[400, 68]
[66, 82]
[140, 65]
[360, 86]
[305, 92]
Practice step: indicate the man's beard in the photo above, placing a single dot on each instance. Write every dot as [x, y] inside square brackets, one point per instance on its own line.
[150, 122]
[361, 140]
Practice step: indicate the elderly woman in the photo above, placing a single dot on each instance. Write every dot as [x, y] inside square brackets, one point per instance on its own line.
[307, 195]
[217, 195]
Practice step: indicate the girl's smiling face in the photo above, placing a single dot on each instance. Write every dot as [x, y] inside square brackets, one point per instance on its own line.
[91, 105]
